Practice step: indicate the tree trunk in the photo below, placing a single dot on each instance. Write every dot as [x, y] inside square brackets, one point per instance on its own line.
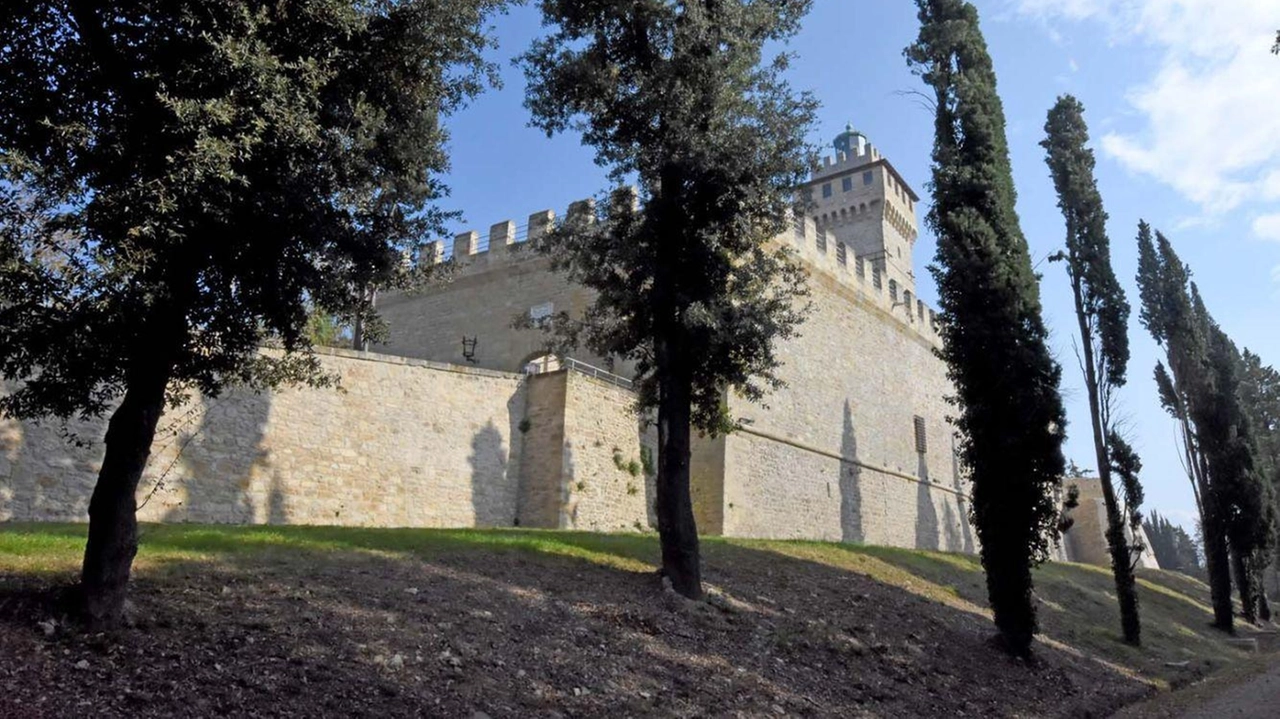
[113, 522]
[1117, 543]
[1217, 562]
[1264, 607]
[368, 301]
[1244, 586]
[677, 530]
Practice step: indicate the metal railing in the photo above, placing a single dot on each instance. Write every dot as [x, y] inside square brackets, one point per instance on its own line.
[555, 364]
[593, 371]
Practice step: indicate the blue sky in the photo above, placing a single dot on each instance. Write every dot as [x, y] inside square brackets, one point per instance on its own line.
[1181, 97]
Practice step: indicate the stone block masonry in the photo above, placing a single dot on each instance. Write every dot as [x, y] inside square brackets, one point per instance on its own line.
[1086, 540]
[585, 456]
[401, 443]
[410, 443]
[857, 446]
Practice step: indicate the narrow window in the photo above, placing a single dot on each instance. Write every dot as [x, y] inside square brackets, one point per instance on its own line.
[893, 290]
[846, 184]
[826, 190]
[922, 441]
[841, 255]
[866, 177]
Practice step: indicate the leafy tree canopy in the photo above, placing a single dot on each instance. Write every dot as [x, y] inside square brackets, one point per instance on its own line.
[184, 181]
[679, 97]
[197, 174]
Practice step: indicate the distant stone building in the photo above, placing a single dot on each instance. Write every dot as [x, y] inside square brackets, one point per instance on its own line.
[1086, 540]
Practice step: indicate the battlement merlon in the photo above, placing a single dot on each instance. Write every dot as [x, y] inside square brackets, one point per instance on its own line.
[817, 249]
[850, 163]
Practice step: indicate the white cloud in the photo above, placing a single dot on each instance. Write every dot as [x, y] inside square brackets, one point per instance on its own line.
[1210, 113]
[1267, 227]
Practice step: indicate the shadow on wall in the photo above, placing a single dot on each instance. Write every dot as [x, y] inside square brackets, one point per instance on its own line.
[203, 457]
[647, 431]
[11, 439]
[492, 490]
[926, 513]
[965, 543]
[48, 469]
[216, 464]
[850, 483]
[568, 507]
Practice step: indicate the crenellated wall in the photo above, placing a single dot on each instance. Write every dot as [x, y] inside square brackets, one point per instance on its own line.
[832, 455]
[837, 454]
[855, 447]
[489, 281]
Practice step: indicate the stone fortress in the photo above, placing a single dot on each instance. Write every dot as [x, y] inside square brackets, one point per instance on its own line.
[462, 420]
[856, 447]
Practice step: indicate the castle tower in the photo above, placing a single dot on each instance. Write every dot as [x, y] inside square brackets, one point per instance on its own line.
[859, 199]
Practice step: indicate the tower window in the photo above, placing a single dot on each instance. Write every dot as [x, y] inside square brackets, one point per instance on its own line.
[846, 184]
[866, 177]
[826, 190]
[841, 255]
[922, 441]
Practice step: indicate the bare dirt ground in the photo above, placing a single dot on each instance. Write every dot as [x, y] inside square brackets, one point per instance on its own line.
[1258, 697]
[1246, 690]
[517, 634]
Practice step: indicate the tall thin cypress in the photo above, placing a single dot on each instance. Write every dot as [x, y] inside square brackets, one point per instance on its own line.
[1010, 415]
[1102, 313]
[1234, 463]
[1186, 387]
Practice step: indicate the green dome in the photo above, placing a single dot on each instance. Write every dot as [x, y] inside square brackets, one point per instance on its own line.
[848, 141]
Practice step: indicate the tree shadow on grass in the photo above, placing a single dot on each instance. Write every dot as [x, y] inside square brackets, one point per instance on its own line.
[1077, 607]
[365, 622]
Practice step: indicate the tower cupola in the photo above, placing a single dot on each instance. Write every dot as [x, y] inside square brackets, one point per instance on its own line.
[851, 142]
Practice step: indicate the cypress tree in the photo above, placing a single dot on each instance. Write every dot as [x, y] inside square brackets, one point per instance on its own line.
[689, 283]
[1173, 547]
[1160, 534]
[1010, 418]
[1102, 314]
[1192, 391]
[1260, 392]
[1234, 463]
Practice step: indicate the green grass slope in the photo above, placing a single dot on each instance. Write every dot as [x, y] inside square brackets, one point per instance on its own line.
[519, 622]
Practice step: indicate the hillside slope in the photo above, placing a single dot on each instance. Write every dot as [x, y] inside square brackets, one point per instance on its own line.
[311, 620]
